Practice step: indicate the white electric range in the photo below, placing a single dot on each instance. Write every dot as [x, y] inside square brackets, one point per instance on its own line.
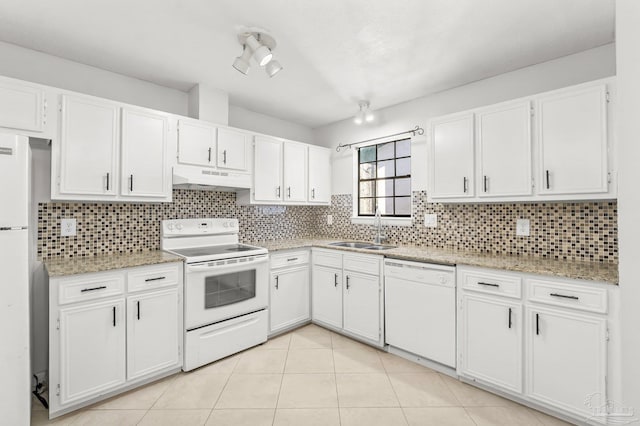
[225, 288]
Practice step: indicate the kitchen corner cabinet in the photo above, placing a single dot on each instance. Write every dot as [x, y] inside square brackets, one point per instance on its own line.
[107, 151]
[288, 173]
[541, 339]
[319, 175]
[112, 331]
[347, 294]
[289, 299]
[554, 146]
[452, 157]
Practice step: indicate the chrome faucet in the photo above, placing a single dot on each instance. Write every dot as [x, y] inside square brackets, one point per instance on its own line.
[377, 222]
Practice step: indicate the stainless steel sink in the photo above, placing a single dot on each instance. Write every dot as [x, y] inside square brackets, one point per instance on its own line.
[360, 245]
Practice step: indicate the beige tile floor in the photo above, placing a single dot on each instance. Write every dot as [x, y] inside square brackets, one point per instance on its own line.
[308, 377]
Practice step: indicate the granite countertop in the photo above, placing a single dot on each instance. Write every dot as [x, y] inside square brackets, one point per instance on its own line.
[59, 266]
[581, 270]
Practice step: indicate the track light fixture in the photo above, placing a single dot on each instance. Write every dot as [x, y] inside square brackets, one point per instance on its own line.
[259, 46]
[364, 114]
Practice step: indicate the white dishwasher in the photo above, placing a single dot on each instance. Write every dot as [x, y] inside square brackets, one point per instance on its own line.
[420, 309]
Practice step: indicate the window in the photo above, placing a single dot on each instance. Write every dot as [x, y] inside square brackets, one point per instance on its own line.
[384, 179]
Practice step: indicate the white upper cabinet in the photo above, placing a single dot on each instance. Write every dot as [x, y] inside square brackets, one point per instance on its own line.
[504, 150]
[144, 146]
[452, 157]
[88, 147]
[295, 171]
[22, 106]
[572, 133]
[233, 147]
[319, 175]
[196, 143]
[267, 169]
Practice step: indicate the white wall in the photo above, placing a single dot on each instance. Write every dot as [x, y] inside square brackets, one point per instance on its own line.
[574, 69]
[628, 131]
[38, 67]
[261, 123]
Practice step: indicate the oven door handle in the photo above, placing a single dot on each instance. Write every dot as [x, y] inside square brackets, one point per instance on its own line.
[243, 265]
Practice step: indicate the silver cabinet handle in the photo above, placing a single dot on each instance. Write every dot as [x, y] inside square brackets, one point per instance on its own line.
[348, 282]
[84, 290]
[510, 322]
[224, 156]
[291, 259]
[289, 192]
[464, 184]
[313, 193]
[278, 192]
[564, 296]
[108, 180]
[131, 183]
[209, 157]
[335, 280]
[114, 316]
[485, 183]
[488, 284]
[138, 310]
[277, 283]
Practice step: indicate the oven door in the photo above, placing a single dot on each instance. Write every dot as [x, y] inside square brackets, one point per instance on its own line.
[219, 290]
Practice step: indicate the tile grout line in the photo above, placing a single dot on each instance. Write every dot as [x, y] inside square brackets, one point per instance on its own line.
[386, 373]
[284, 367]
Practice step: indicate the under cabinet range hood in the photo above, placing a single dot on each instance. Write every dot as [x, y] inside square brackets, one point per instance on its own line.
[205, 178]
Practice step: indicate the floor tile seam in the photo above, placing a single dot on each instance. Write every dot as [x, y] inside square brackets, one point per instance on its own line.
[226, 382]
[286, 358]
[393, 389]
[174, 377]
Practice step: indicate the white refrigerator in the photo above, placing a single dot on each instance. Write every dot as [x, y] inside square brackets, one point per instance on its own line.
[15, 377]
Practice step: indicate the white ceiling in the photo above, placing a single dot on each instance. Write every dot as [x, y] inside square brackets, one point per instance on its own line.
[334, 52]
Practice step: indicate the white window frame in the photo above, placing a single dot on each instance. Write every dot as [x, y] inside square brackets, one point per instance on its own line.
[369, 220]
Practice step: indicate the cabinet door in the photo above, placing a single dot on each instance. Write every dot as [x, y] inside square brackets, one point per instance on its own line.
[327, 295]
[452, 157]
[232, 149]
[144, 165]
[289, 298]
[362, 305]
[267, 171]
[196, 143]
[21, 106]
[566, 359]
[153, 333]
[491, 343]
[504, 144]
[572, 132]
[92, 349]
[295, 171]
[319, 175]
[88, 147]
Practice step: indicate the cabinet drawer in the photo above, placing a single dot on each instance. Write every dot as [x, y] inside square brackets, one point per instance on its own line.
[89, 287]
[568, 295]
[153, 277]
[492, 283]
[362, 263]
[289, 259]
[332, 259]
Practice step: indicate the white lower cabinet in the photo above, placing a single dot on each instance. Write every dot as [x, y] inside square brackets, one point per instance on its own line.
[92, 349]
[549, 347]
[492, 330]
[289, 303]
[566, 358]
[106, 337]
[347, 294]
[152, 332]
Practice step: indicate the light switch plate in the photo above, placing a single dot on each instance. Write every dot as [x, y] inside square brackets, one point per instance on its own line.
[67, 227]
[522, 227]
[431, 220]
[329, 219]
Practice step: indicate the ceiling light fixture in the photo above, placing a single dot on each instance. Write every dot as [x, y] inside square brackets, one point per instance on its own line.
[364, 114]
[259, 46]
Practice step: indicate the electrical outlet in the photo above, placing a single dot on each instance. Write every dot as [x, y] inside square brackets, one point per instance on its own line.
[329, 219]
[522, 227]
[431, 220]
[68, 227]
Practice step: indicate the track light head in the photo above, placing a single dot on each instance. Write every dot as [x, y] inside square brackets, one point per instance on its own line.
[273, 68]
[261, 53]
[364, 114]
[259, 46]
[242, 62]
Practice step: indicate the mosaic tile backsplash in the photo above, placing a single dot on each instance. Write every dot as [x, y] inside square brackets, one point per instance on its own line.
[576, 231]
